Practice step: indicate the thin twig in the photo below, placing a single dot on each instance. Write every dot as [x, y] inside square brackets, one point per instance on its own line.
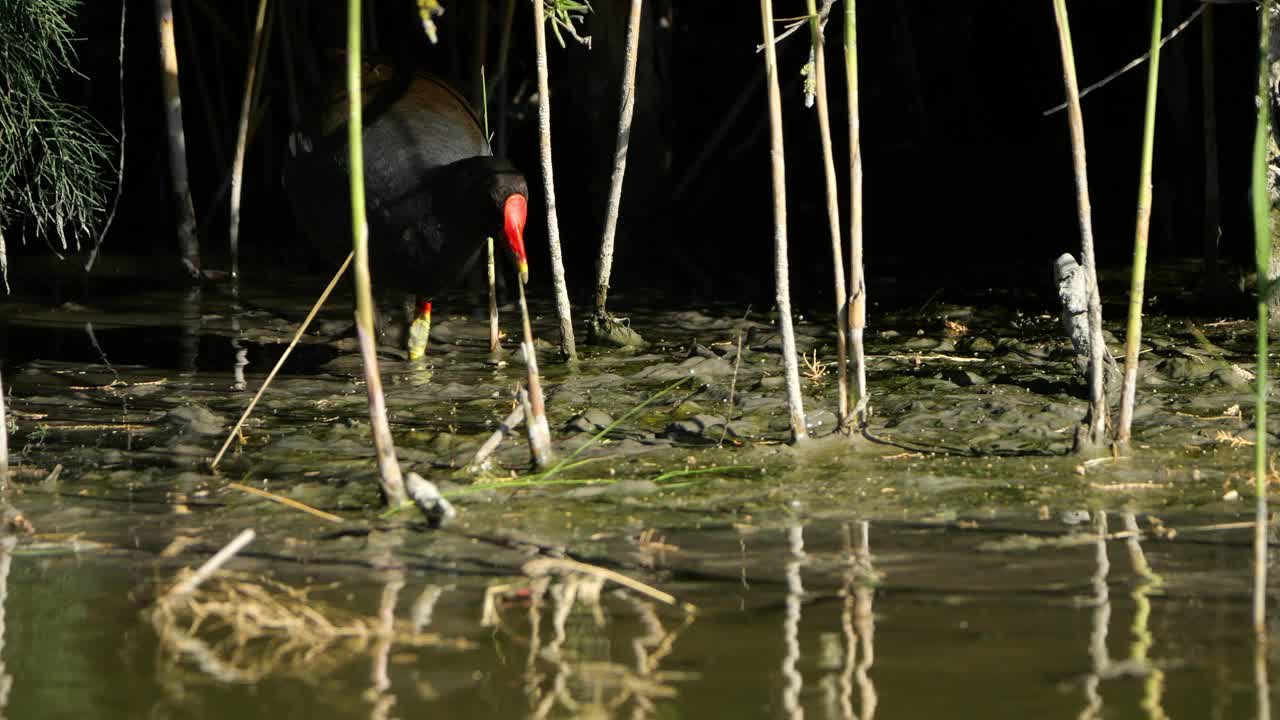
[1133, 63]
[289, 502]
[280, 363]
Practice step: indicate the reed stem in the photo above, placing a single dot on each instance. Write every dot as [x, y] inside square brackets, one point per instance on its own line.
[833, 211]
[856, 308]
[568, 347]
[1262, 255]
[1096, 421]
[604, 265]
[388, 467]
[181, 185]
[1133, 338]
[795, 404]
[242, 135]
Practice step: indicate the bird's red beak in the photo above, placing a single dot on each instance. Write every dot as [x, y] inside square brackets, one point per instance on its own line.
[515, 211]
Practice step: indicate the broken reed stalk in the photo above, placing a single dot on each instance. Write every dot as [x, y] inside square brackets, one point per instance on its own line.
[509, 423]
[795, 404]
[297, 335]
[856, 308]
[1209, 100]
[568, 347]
[388, 468]
[1133, 338]
[536, 412]
[1265, 286]
[242, 134]
[493, 298]
[1097, 417]
[833, 209]
[4, 442]
[210, 566]
[604, 265]
[181, 186]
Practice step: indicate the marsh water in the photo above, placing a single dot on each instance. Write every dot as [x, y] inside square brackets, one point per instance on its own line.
[956, 561]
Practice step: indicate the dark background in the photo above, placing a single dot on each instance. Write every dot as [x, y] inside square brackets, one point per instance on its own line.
[962, 169]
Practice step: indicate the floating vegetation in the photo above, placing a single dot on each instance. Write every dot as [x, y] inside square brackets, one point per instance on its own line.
[241, 628]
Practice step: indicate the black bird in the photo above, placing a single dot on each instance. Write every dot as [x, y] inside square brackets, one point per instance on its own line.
[434, 191]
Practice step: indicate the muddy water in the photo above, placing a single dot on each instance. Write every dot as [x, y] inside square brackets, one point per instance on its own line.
[956, 562]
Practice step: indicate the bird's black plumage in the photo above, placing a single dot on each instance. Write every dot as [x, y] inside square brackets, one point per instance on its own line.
[434, 191]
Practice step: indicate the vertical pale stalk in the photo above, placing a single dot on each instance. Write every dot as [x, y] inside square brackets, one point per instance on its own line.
[493, 297]
[567, 345]
[4, 442]
[177, 142]
[604, 266]
[795, 404]
[833, 208]
[1097, 419]
[388, 467]
[1133, 339]
[856, 308]
[536, 413]
[1209, 104]
[1262, 256]
[242, 136]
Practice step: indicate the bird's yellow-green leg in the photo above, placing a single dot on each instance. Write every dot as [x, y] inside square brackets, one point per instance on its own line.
[419, 332]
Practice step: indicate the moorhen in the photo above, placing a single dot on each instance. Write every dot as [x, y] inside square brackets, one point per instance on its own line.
[434, 191]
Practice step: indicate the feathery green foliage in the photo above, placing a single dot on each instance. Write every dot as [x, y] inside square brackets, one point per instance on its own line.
[52, 153]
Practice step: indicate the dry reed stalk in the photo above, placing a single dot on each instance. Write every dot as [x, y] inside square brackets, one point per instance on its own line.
[833, 209]
[181, 186]
[189, 584]
[535, 411]
[604, 265]
[4, 442]
[856, 308]
[242, 133]
[1097, 418]
[568, 347]
[297, 335]
[492, 275]
[795, 404]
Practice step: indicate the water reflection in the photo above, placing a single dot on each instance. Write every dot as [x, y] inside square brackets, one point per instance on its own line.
[1138, 664]
[7, 544]
[572, 668]
[792, 678]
